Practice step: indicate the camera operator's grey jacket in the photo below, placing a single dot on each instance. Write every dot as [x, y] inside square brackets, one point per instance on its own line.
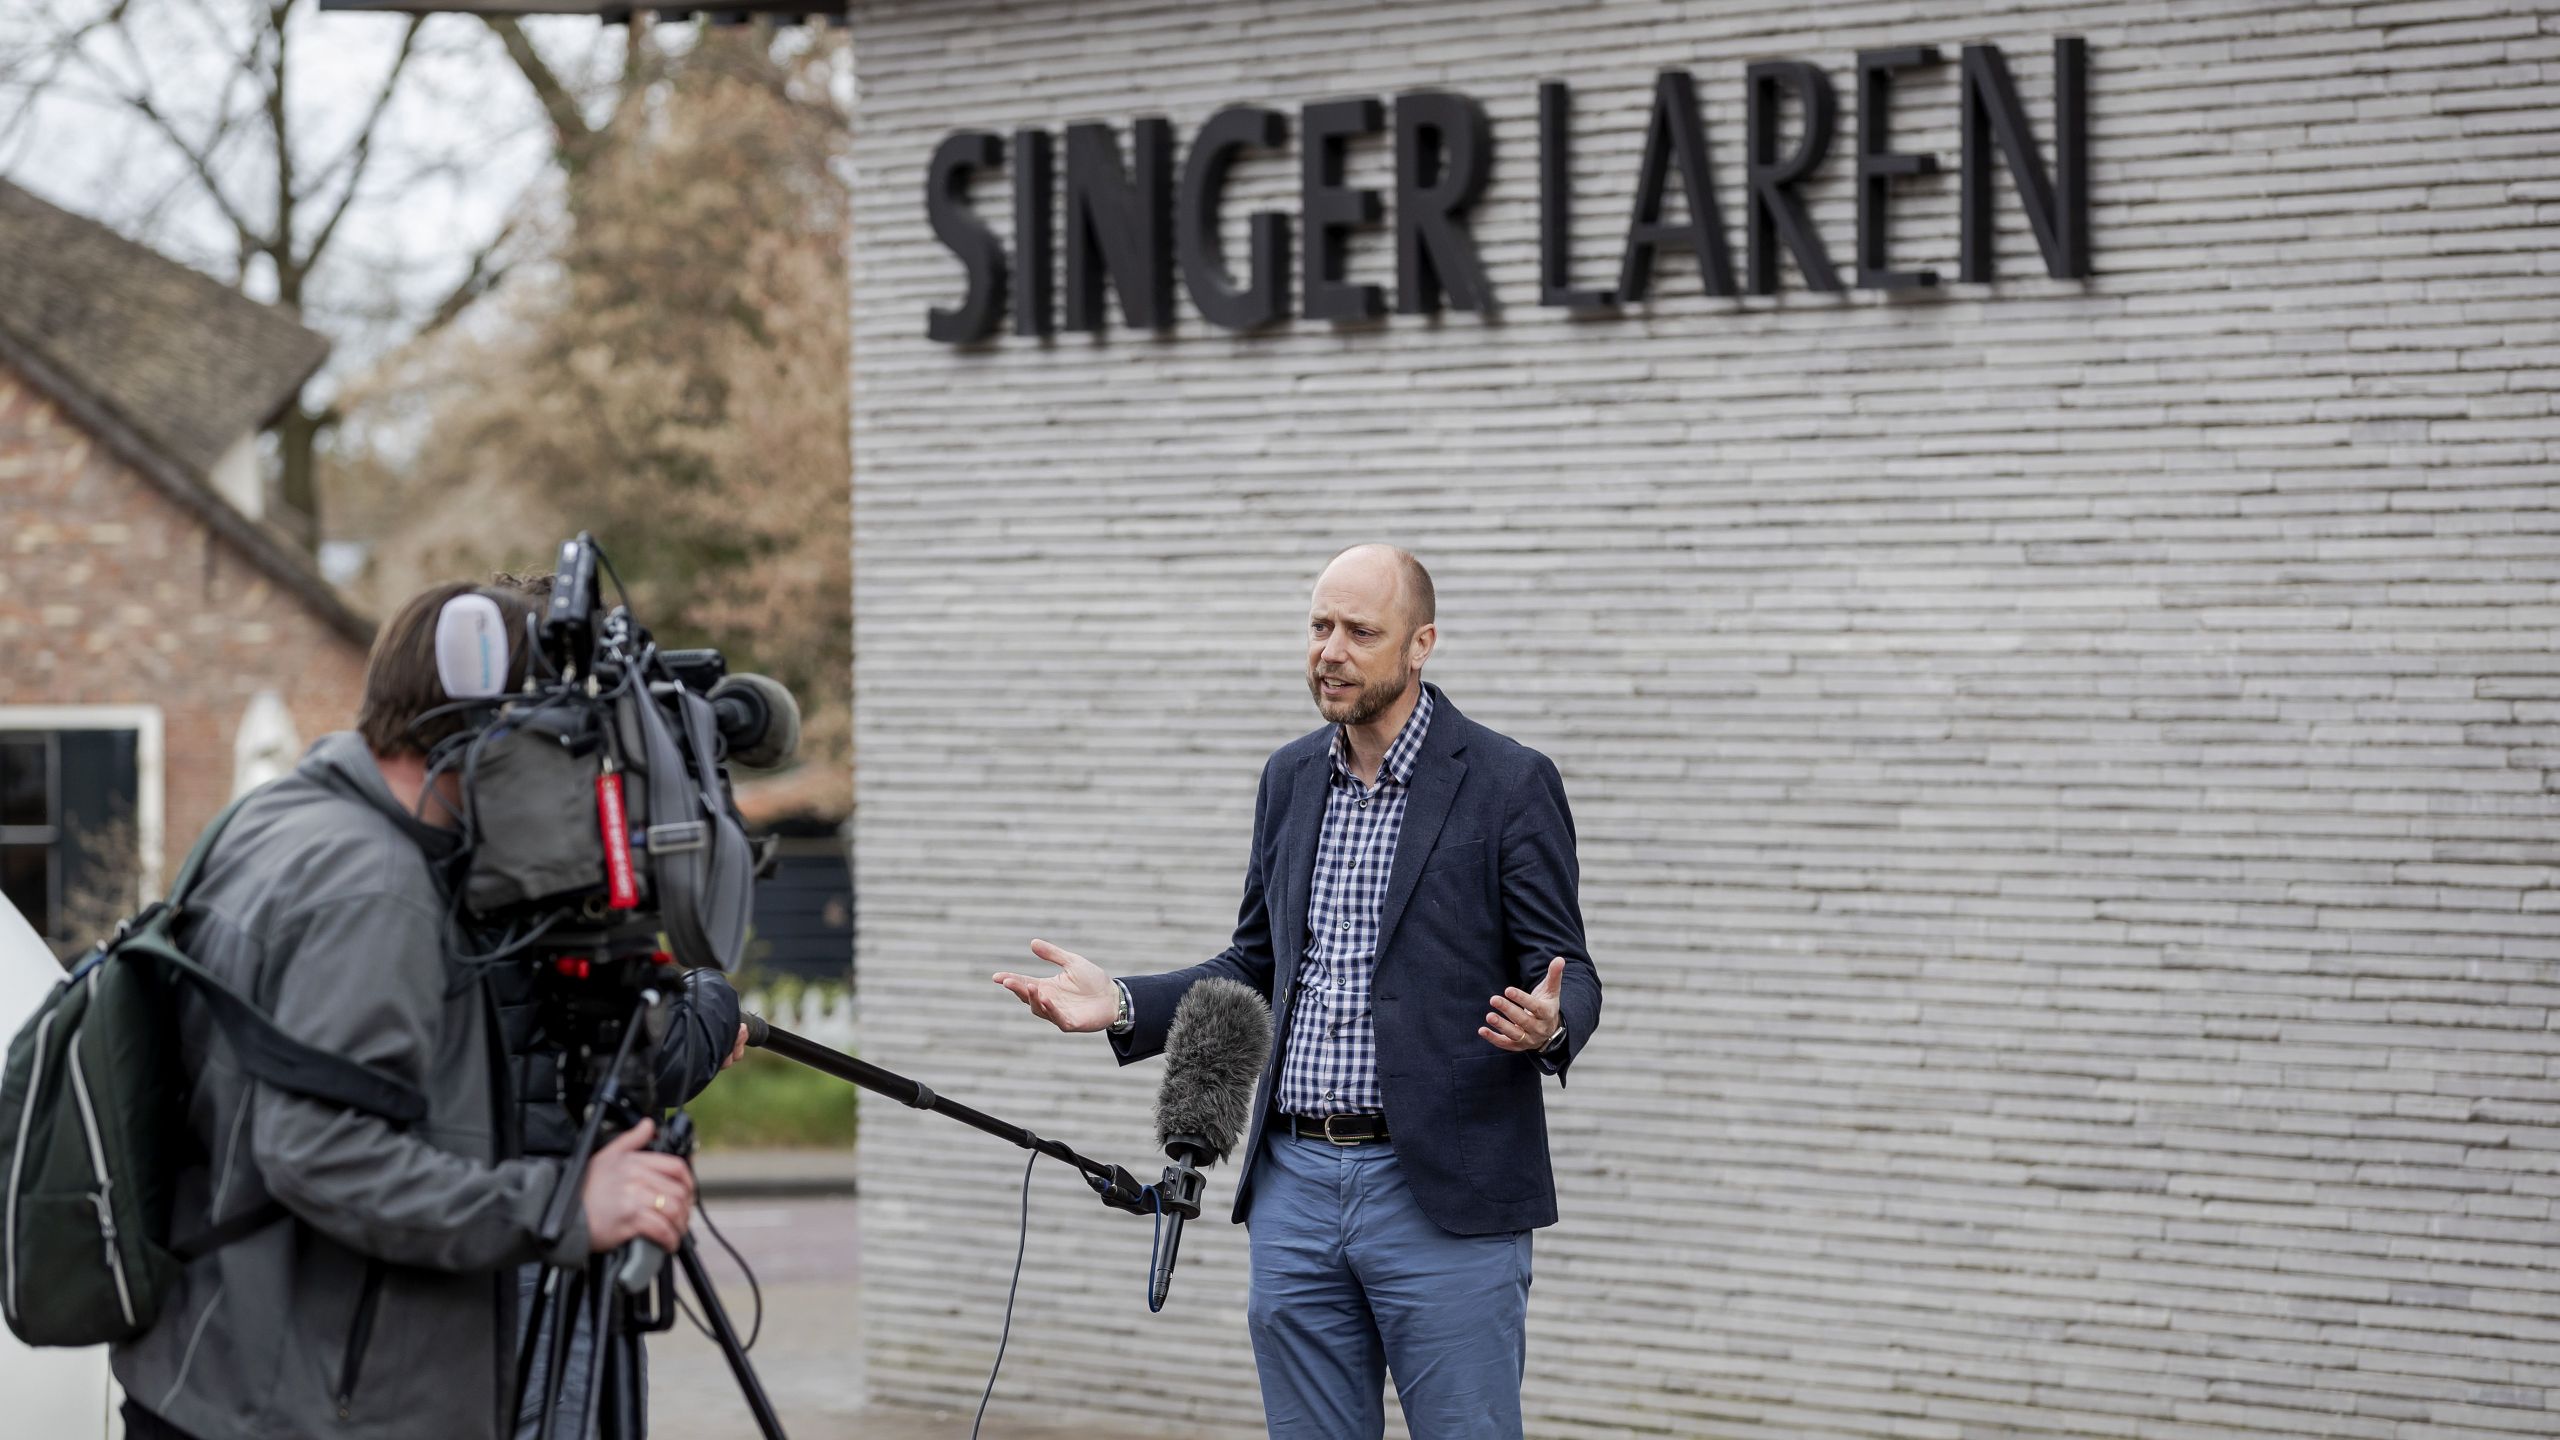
[383, 1308]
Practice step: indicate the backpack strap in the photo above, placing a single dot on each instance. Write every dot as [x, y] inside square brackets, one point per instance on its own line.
[268, 1054]
[226, 1231]
[264, 1051]
[193, 866]
[155, 920]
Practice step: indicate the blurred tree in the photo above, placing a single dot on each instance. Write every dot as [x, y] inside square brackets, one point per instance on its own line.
[240, 135]
[668, 365]
[673, 377]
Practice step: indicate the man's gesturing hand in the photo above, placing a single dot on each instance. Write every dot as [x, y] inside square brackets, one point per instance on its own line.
[1525, 1020]
[633, 1193]
[1079, 997]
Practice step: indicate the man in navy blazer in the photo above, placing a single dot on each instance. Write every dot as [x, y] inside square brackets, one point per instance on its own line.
[1411, 909]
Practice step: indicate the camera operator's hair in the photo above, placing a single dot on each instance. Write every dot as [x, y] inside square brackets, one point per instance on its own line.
[401, 684]
[537, 586]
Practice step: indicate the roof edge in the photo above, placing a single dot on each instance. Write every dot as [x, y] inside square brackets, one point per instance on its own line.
[192, 494]
[293, 391]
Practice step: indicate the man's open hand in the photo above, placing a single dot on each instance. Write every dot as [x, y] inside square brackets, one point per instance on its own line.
[1077, 998]
[1525, 1020]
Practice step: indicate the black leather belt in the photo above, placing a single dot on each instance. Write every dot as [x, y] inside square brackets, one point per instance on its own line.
[1340, 1129]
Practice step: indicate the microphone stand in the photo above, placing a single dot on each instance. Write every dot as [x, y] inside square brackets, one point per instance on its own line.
[1114, 1186]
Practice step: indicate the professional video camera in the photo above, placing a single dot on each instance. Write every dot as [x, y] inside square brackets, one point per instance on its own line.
[598, 800]
[603, 851]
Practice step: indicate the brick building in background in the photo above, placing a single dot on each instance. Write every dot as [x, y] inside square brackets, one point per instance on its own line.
[164, 646]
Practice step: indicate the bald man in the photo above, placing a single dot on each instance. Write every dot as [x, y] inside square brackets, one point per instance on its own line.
[1411, 908]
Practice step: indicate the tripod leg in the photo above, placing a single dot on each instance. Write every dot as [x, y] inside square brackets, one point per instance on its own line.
[622, 1383]
[613, 1420]
[536, 1316]
[603, 1332]
[567, 1303]
[717, 1317]
[635, 1384]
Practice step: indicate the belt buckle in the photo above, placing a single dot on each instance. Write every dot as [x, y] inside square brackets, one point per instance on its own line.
[1339, 1140]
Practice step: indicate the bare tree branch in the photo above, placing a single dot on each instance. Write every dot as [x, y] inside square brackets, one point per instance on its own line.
[134, 94]
[360, 153]
[485, 272]
[201, 162]
[53, 56]
[288, 278]
[573, 139]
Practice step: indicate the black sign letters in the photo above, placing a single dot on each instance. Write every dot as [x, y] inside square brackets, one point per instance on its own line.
[1133, 224]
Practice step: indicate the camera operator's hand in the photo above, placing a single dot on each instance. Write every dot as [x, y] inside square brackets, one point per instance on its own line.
[738, 1051]
[637, 1193]
[1078, 998]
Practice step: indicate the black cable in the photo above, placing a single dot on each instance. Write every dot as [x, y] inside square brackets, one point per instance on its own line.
[533, 645]
[753, 1289]
[621, 592]
[1020, 1248]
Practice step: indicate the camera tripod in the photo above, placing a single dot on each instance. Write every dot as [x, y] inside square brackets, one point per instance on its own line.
[620, 1297]
[616, 1298]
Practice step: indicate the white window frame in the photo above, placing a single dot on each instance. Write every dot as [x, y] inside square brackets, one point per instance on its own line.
[149, 815]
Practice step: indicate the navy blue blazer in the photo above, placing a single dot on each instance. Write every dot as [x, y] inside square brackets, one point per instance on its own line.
[1483, 894]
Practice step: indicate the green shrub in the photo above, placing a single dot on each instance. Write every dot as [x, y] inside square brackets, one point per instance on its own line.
[765, 1102]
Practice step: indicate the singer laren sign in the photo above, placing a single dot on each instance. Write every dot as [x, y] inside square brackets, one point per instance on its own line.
[1131, 223]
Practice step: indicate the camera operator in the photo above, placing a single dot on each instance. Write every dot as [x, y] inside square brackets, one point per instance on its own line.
[704, 1037]
[372, 1289]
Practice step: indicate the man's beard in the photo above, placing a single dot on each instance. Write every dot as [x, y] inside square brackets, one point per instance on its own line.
[1364, 704]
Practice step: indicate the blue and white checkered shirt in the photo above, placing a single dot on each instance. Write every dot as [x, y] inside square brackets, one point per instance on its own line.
[1331, 1067]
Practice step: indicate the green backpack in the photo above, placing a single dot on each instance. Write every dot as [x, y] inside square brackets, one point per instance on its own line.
[93, 1127]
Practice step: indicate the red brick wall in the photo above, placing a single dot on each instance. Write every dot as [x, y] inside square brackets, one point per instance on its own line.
[112, 594]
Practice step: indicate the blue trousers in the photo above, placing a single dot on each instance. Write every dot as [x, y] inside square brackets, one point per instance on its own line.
[1352, 1282]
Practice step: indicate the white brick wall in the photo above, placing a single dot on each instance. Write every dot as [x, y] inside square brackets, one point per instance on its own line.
[2069, 775]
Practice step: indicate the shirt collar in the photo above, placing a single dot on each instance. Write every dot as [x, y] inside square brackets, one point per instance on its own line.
[1401, 755]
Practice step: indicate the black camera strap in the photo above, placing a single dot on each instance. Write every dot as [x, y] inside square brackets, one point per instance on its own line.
[697, 851]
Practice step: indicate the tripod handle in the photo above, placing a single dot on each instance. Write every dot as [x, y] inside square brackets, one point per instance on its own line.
[637, 1264]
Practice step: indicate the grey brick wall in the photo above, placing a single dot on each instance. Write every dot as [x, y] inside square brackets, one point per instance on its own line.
[2066, 772]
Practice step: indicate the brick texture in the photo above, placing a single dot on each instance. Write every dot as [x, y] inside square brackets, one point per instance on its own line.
[112, 595]
[2066, 771]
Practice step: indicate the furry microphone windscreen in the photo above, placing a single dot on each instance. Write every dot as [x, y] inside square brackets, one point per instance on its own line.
[1213, 1059]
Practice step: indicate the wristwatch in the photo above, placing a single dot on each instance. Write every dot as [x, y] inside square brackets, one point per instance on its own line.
[1123, 1022]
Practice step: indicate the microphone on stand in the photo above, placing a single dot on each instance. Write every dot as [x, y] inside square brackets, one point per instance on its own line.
[1214, 1054]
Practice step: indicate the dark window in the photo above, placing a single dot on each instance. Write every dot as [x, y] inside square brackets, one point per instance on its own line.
[26, 781]
[30, 827]
[70, 849]
[804, 909]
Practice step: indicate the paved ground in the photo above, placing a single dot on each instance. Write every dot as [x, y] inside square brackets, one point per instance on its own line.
[772, 1174]
[805, 1251]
